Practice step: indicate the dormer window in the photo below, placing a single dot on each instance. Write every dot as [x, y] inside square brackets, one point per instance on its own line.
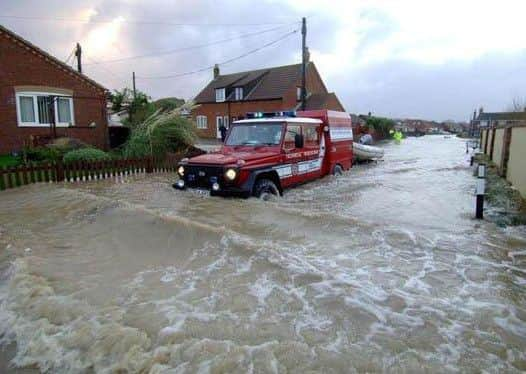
[239, 93]
[220, 95]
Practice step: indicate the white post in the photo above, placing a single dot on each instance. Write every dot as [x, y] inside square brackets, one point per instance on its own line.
[480, 191]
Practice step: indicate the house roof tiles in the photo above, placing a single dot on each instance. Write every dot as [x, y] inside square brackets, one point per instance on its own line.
[502, 116]
[48, 57]
[272, 83]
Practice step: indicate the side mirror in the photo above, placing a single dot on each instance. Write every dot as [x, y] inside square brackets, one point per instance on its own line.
[298, 141]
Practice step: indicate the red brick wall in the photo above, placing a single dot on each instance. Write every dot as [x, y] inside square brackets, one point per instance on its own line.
[21, 66]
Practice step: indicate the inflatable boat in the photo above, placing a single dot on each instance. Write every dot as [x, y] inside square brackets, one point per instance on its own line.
[364, 152]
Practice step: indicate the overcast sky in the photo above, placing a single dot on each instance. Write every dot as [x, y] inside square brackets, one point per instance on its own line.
[420, 59]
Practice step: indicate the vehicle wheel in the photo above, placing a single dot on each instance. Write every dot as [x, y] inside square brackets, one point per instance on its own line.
[265, 189]
[338, 170]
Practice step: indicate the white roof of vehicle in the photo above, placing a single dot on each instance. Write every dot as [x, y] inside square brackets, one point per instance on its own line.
[281, 119]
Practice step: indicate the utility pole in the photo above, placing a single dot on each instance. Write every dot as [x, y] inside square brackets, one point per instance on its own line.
[78, 54]
[132, 104]
[134, 90]
[303, 63]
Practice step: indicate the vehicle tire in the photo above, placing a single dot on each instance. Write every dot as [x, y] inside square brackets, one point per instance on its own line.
[337, 170]
[265, 189]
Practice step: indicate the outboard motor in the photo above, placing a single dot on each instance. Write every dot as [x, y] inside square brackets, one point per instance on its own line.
[366, 139]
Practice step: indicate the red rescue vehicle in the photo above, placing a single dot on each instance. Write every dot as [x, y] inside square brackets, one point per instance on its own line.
[268, 152]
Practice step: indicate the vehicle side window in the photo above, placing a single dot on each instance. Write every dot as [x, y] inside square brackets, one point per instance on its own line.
[292, 130]
[311, 136]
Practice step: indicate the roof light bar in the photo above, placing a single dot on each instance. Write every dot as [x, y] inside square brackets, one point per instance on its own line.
[289, 113]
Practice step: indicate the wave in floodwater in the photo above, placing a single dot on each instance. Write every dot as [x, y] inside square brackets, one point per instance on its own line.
[376, 271]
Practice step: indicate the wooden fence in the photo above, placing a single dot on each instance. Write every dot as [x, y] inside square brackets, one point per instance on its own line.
[11, 177]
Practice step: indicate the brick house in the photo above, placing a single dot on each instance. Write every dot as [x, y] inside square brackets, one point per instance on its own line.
[229, 97]
[35, 88]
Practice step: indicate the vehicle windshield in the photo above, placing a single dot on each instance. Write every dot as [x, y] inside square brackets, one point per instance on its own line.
[255, 134]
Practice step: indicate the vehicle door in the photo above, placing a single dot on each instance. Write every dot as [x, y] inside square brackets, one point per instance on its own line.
[313, 151]
[293, 155]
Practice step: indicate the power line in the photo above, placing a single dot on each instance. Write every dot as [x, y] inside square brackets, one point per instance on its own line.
[66, 61]
[138, 22]
[116, 77]
[224, 62]
[182, 49]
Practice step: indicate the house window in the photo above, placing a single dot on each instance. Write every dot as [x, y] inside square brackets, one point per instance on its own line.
[26, 109]
[202, 122]
[220, 95]
[64, 110]
[43, 104]
[33, 109]
[239, 93]
[298, 93]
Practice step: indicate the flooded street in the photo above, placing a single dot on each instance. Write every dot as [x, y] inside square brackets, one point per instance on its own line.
[382, 269]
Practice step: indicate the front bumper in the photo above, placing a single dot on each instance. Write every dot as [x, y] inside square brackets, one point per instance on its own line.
[219, 190]
[211, 178]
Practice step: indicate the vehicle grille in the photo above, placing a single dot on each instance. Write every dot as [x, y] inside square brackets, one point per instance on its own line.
[199, 176]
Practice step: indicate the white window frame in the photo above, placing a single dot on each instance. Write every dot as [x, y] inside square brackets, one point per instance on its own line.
[36, 123]
[220, 95]
[202, 122]
[221, 120]
[238, 93]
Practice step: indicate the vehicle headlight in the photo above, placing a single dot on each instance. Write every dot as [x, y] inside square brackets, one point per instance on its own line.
[230, 174]
[180, 171]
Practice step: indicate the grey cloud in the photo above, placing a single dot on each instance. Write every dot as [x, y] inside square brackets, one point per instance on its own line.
[392, 88]
[453, 90]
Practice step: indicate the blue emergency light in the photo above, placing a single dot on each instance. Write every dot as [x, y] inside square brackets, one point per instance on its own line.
[289, 113]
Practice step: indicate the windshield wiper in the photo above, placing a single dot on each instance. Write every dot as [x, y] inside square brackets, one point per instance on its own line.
[260, 144]
[241, 144]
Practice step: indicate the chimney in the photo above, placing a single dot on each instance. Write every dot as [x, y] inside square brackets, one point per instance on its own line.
[216, 71]
[474, 115]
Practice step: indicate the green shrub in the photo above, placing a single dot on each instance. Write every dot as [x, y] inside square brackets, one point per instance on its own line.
[86, 154]
[9, 160]
[381, 125]
[137, 145]
[158, 134]
[53, 151]
[39, 154]
[65, 144]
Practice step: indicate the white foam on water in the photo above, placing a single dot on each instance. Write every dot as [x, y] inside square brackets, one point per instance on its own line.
[59, 333]
[390, 299]
[261, 289]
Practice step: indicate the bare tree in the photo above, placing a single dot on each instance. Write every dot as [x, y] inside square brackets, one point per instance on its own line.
[518, 104]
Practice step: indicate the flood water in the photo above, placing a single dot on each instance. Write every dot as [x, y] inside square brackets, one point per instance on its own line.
[380, 270]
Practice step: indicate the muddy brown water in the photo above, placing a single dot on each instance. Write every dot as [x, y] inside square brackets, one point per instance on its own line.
[380, 270]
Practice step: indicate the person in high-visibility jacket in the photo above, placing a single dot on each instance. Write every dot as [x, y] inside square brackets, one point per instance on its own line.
[397, 135]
